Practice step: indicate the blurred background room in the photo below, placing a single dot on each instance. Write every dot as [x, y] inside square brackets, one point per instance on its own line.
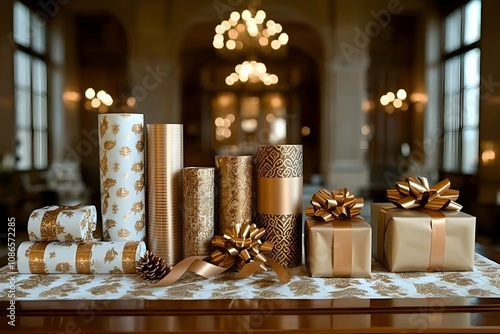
[374, 90]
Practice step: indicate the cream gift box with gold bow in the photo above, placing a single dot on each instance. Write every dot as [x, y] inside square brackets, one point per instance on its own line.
[423, 230]
[337, 240]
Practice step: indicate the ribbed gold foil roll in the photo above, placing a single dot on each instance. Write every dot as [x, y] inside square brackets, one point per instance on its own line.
[234, 200]
[165, 162]
[279, 200]
[121, 167]
[198, 189]
[98, 257]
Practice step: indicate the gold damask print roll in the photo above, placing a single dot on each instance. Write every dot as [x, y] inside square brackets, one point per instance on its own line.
[63, 223]
[235, 204]
[198, 189]
[121, 165]
[279, 200]
[106, 257]
[165, 163]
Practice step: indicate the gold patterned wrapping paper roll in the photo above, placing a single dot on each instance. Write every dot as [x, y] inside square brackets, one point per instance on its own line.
[121, 164]
[234, 200]
[98, 257]
[63, 223]
[279, 200]
[165, 163]
[198, 189]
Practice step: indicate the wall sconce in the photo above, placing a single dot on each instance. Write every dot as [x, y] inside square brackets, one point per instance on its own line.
[488, 154]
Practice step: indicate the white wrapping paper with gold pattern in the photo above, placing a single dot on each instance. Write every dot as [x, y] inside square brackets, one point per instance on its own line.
[121, 164]
[63, 223]
[105, 257]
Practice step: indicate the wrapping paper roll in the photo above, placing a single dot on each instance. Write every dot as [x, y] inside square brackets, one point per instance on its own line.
[63, 223]
[123, 194]
[235, 204]
[199, 201]
[279, 200]
[106, 257]
[165, 163]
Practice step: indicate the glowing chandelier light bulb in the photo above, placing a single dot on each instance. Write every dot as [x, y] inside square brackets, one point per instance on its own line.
[253, 72]
[249, 30]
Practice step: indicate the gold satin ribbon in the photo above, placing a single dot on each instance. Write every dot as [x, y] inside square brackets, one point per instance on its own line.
[415, 192]
[342, 258]
[279, 196]
[241, 244]
[438, 237]
[36, 258]
[83, 255]
[337, 204]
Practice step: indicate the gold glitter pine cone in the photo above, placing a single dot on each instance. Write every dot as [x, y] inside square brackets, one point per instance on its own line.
[152, 267]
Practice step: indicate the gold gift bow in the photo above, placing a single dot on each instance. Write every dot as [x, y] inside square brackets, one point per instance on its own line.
[415, 192]
[240, 245]
[337, 204]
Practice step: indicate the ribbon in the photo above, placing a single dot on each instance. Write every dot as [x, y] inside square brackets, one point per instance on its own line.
[415, 192]
[337, 204]
[241, 245]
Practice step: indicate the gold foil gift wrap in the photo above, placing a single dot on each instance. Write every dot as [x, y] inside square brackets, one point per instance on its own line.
[337, 240]
[279, 200]
[121, 163]
[235, 196]
[423, 231]
[106, 257]
[63, 223]
[199, 228]
[165, 163]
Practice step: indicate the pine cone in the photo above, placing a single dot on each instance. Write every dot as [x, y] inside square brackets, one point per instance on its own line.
[152, 267]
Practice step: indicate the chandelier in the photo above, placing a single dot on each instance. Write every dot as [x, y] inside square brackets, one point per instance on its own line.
[250, 34]
[252, 72]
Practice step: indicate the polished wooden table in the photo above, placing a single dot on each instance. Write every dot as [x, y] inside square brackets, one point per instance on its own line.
[402, 315]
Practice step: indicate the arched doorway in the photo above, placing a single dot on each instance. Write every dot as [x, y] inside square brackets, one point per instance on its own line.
[234, 119]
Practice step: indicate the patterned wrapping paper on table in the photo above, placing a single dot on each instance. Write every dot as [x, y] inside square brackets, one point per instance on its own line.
[279, 200]
[199, 201]
[121, 162]
[165, 162]
[106, 257]
[63, 223]
[337, 241]
[423, 239]
[235, 196]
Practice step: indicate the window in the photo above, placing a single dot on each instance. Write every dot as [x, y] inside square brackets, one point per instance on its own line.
[30, 89]
[461, 62]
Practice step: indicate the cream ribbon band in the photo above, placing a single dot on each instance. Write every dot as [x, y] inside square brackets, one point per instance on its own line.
[287, 190]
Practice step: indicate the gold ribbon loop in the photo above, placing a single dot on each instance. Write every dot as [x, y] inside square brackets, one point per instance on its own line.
[239, 245]
[337, 204]
[415, 192]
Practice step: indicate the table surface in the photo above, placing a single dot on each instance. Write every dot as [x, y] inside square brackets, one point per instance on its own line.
[399, 315]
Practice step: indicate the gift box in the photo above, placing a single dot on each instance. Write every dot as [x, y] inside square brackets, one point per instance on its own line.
[337, 241]
[63, 223]
[98, 257]
[423, 229]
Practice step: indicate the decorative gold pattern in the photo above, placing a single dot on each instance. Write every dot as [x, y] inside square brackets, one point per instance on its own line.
[235, 203]
[263, 285]
[198, 190]
[63, 267]
[282, 163]
[285, 233]
[121, 152]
